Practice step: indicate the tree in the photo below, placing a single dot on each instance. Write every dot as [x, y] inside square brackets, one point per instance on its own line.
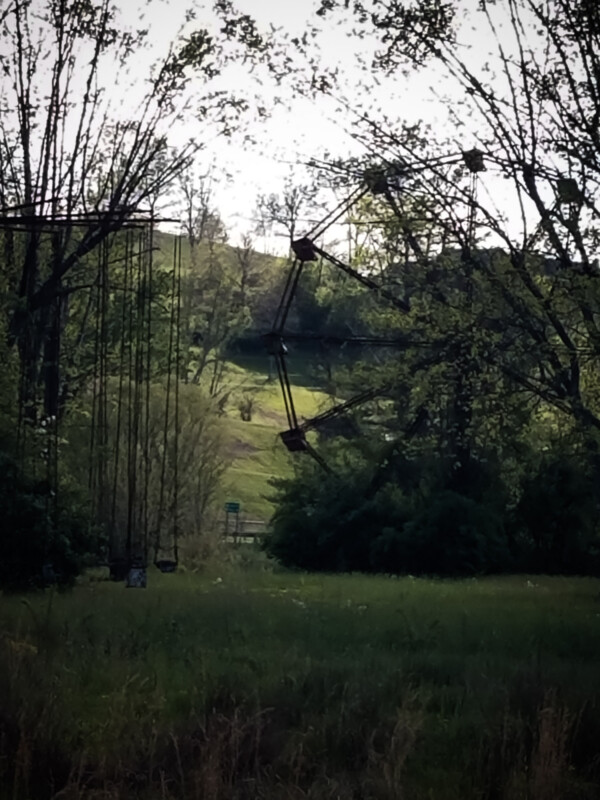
[201, 220]
[76, 166]
[534, 120]
[215, 303]
[290, 211]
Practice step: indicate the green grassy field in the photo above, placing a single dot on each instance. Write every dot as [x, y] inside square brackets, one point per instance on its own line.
[255, 449]
[254, 683]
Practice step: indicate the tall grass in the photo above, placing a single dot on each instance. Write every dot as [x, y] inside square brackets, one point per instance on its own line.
[257, 684]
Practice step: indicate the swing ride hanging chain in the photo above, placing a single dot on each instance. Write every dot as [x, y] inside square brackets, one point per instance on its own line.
[102, 422]
[132, 417]
[175, 509]
[93, 465]
[163, 470]
[146, 254]
[119, 420]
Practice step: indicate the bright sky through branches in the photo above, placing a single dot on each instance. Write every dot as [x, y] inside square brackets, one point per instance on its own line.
[259, 157]
[297, 128]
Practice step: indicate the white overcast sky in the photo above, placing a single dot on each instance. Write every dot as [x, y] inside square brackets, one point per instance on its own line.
[296, 130]
[300, 129]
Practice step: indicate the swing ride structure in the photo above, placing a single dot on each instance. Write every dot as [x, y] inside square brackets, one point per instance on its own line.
[108, 366]
[385, 181]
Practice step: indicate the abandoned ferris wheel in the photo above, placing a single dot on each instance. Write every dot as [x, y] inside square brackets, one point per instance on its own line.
[386, 181]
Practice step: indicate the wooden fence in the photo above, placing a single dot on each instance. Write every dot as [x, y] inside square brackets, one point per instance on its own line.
[241, 530]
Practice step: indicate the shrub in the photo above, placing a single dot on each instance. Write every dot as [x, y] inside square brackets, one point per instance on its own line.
[310, 525]
[336, 524]
[557, 515]
[42, 540]
[348, 522]
[454, 535]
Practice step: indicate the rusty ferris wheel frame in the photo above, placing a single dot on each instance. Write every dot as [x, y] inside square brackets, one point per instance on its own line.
[382, 181]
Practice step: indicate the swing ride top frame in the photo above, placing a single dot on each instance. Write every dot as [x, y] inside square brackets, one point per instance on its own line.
[128, 564]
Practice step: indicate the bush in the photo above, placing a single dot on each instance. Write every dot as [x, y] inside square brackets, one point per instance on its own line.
[346, 523]
[306, 526]
[454, 535]
[329, 522]
[556, 518]
[42, 541]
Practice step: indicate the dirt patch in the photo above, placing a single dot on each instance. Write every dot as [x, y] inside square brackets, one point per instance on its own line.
[240, 449]
[276, 417]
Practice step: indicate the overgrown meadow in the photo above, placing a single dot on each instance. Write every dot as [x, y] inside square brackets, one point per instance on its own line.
[254, 683]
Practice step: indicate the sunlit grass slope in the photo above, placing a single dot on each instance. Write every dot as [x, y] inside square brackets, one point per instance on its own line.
[254, 447]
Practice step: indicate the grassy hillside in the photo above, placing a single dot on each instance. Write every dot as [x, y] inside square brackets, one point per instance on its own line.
[255, 449]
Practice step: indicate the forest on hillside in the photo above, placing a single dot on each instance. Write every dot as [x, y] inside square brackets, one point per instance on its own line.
[457, 342]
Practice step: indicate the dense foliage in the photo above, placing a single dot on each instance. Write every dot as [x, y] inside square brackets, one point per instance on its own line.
[413, 523]
[45, 539]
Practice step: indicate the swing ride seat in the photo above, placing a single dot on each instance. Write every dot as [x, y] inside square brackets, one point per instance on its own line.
[294, 440]
[136, 578]
[304, 249]
[166, 565]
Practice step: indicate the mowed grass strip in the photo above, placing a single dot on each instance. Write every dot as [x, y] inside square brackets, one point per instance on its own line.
[266, 684]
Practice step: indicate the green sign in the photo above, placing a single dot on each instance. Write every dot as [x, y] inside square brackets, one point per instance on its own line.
[232, 508]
